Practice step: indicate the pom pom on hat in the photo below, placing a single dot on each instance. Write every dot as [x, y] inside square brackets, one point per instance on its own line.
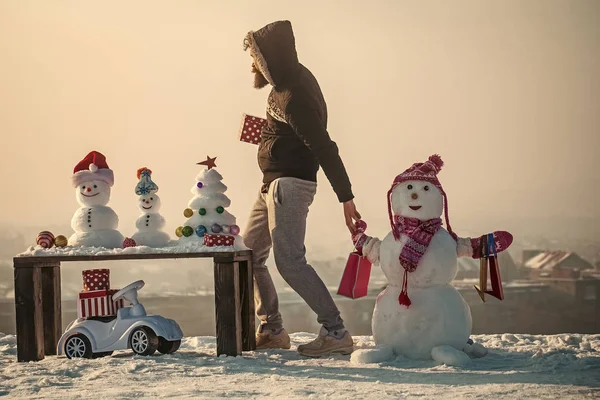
[437, 161]
[139, 171]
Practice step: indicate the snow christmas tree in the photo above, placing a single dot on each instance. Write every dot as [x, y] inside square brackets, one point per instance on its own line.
[209, 223]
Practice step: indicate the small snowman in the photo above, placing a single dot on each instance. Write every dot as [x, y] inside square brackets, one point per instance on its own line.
[420, 315]
[149, 225]
[95, 224]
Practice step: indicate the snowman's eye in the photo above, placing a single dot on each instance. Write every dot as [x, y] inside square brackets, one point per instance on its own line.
[95, 187]
[83, 187]
[151, 198]
[410, 187]
[426, 188]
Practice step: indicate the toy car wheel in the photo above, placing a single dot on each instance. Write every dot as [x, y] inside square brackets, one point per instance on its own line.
[143, 341]
[168, 346]
[78, 346]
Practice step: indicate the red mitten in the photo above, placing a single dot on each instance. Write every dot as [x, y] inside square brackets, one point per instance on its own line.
[503, 241]
[359, 238]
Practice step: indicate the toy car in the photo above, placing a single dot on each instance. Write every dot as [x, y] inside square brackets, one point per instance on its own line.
[131, 329]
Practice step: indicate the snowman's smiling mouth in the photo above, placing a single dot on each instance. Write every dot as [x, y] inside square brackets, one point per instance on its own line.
[96, 194]
[146, 208]
[415, 207]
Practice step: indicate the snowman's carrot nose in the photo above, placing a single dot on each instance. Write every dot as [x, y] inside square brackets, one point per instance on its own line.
[414, 196]
[88, 189]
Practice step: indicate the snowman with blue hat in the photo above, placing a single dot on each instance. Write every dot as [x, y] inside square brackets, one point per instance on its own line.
[150, 223]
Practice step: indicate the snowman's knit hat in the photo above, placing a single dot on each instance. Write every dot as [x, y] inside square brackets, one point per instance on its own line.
[92, 168]
[426, 171]
[145, 185]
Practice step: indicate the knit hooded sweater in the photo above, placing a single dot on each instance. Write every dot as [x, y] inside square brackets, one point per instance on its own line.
[294, 142]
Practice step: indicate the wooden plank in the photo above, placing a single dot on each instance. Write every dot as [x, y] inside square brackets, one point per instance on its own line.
[28, 310]
[49, 260]
[227, 309]
[247, 305]
[51, 306]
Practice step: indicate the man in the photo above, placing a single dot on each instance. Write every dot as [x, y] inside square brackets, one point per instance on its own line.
[293, 145]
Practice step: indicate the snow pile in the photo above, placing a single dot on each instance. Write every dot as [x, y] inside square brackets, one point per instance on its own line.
[173, 247]
[517, 366]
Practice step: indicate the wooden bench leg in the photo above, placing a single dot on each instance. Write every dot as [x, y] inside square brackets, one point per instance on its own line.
[51, 306]
[247, 300]
[29, 313]
[227, 307]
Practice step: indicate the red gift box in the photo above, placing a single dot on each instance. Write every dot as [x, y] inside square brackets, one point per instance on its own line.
[96, 279]
[98, 303]
[355, 280]
[218, 240]
[251, 128]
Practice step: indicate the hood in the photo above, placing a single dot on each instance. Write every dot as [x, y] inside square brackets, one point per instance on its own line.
[274, 49]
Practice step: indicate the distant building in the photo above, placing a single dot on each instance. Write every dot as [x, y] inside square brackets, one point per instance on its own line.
[528, 254]
[556, 264]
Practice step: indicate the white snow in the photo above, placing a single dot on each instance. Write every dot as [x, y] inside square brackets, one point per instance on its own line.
[518, 366]
[174, 247]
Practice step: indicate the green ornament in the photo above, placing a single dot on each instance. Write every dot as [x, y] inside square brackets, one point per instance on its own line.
[187, 231]
[202, 211]
[220, 210]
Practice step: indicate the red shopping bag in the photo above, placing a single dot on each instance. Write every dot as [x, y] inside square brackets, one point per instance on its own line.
[355, 280]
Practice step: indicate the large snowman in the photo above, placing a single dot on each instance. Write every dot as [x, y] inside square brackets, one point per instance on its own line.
[95, 224]
[420, 315]
[149, 225]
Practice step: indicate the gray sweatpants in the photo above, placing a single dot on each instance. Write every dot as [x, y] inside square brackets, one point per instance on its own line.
[278, 221]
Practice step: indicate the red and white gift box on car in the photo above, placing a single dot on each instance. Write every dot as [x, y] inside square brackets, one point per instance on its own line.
[211, 240]
[96, 279]
[98, 303]
[250, 131]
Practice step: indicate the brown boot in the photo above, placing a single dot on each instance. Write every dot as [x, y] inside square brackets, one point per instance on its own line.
[326, 344]
[270, 340]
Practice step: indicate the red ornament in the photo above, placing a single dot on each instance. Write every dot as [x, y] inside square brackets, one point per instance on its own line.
[45, 239]
[210, 162]
[234, 230]
[129, 242]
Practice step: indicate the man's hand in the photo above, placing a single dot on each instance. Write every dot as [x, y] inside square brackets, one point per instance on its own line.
[351, 215]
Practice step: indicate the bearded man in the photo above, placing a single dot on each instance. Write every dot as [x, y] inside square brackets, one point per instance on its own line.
[294, 144]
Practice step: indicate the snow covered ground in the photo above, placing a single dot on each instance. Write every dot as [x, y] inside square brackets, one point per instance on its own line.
[518, 366]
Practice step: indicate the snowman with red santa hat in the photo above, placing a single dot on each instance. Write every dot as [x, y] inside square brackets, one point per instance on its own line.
[95, 224]
[420, 315]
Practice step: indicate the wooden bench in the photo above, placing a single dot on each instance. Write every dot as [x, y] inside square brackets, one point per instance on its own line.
[38, 300]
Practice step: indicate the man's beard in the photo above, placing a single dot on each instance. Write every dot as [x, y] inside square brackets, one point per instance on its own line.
[259, 79]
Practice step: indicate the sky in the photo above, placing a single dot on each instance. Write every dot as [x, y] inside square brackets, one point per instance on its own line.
[507, 92]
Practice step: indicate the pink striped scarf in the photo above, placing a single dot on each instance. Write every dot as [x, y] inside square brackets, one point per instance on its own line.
[419, 235]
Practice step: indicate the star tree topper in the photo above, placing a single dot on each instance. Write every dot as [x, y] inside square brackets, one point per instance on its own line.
[210, 162]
